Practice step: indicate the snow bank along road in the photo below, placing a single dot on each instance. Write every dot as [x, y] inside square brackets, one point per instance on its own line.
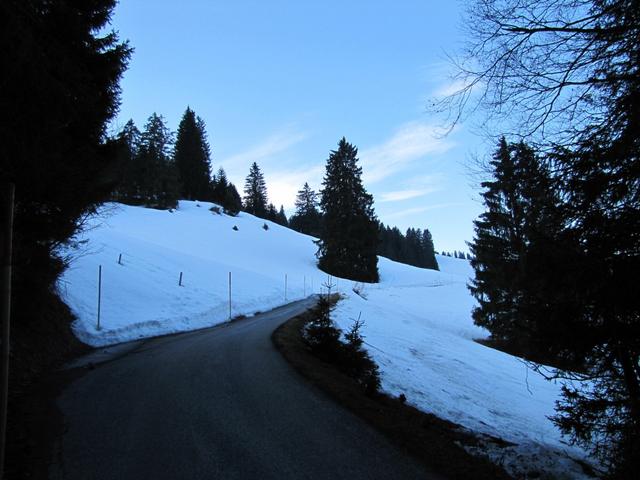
[215, 403]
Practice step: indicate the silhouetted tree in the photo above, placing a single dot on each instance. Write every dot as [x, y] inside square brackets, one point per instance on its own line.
[255, 192]
[348, 241]
[192, 157]
[307, 218]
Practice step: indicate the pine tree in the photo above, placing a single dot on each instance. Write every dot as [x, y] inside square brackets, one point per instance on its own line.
[428, 251]
[159, 185]
[281, 218]
[349, 237]
[219, 185]
[307, 218]
[232, 203]
[127, 188]
[192, 157]
[510, 238]
[255, 192]
[272, 213]
[60, 66]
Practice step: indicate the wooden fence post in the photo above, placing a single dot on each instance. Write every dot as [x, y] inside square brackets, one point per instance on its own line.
[8, 194]
[99, 295]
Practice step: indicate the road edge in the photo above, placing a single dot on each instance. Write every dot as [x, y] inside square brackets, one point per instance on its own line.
[434, 442]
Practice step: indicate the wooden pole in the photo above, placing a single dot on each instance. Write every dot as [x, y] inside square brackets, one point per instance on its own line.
[8, 194]
[229, 295]
[120, 259]
[180, 280]
[99, 294]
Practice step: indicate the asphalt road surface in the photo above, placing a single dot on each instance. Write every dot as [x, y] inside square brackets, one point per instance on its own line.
[215, 403]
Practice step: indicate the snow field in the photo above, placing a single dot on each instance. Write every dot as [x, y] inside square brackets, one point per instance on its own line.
[141, 297]
[418, 325]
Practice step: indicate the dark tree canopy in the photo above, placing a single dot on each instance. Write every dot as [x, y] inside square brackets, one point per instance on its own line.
[232, 202]
[566, 73]
[307, 218]
[255, 192]
[158, 175]
[192, 157]
[349, 236]
[60, 74]
[416, 248]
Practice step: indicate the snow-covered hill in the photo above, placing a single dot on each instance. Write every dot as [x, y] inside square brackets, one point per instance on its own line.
[418, 322]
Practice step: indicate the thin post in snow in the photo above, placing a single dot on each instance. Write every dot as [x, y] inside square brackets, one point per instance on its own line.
[180, 280]
[6, 219]
[99, 295]
[229, 295]
[120, 259]
[285, 287]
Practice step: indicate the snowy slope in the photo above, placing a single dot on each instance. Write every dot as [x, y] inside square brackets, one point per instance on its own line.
[418, 324]
[141, 297]
[419, 330]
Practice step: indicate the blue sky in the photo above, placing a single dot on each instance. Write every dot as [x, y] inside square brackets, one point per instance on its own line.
[280, 82]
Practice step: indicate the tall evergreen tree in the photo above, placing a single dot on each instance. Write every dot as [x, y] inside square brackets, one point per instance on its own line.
[192, 157]
[127, 189]
[60, 69]
[307, 218]
[255, 192]
[569, 73]
[281, 217]
[517, 227]
[159, 184]
[349, 237]
[219, 185]
[232, 203]
[428, 251]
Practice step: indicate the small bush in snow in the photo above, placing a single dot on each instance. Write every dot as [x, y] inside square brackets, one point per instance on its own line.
[235, 228]
[265, 226]
[216, 209]
[356, 360]
[323, 338]
[321, 334]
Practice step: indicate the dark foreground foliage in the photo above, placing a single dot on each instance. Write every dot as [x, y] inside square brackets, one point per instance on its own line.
[323, 337]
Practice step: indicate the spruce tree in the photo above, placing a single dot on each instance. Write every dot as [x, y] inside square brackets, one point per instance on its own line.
[307, 218]
[255, 192]
[158, 176]
[127, 188]
[192, 158]
[219, 185]
[232, 203]
[272, 213]
[281, 217]
[428, 251]
[510, 238]
[61, 65]
[349, 237]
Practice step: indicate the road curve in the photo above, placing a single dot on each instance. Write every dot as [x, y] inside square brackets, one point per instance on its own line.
[215, 403]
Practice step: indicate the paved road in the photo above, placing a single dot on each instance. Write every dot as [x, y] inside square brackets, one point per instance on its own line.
[216, 403]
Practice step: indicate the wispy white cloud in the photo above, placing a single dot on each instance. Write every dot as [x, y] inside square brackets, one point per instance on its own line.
[411, 142]
[275, 155]
[414, 187]
[417, 210]
[400, 195]
[267, 149]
